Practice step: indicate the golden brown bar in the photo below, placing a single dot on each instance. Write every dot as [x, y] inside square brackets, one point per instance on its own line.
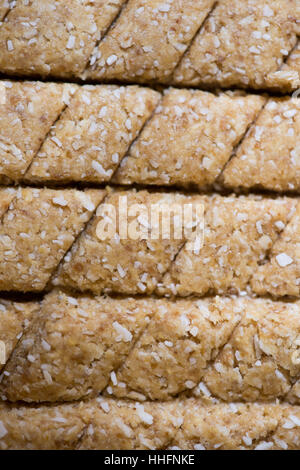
[148, 40]
[58, 134]
[112, 425]
[260, 362]
[239, 427]
[36, 232]
[269, 156]
[126, 249]
[94, 133]
[128, 263]
[228, 43]
[280, 275]
[72, 347]
[15, 317]
[241, 44]
[137, 347]
[39, 37]
[189, 139]
[239, 232]
[27, 112]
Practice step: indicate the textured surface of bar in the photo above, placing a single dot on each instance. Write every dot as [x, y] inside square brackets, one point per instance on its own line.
[126, 257]
[113, 425]
[232, 349]
[251, 426]
[76, 346]
[5, 6]
[195, 42]
[73, 346]
[238, 234]
[36, 232]
[60, 134]
[172, 355]
[93, 134]
[241, 44]
[15, 317]
[39, 37]
[141, 242]
[269, 156]
[6, 197]
[189, 139]
[280, 275]
[261, 360]
[27, 112]
[148, 40]
[293, 62]
[289, 71]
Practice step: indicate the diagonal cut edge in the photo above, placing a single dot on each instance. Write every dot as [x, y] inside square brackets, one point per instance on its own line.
[199, 30]
[105, 32]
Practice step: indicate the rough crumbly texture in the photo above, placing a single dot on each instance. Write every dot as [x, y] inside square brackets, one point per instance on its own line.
[280, 275]
[5, 6]
[240, 44]
[239, 427]
[137, 348]
[218, 250]
[73, 346]
[191, 42]
[232, 350]
[269, 156]
[186, 424]
[39, 37]
[218, 349]
[288, 77]
[27, 112]
[93, 134]
[261, 361]
[6, 197]
[173, 353]
[293, 62]
[189, 139]
[15, 317]
[216, 373]
[36, 232]
[238, 234]
[128, 263]
[148, 40]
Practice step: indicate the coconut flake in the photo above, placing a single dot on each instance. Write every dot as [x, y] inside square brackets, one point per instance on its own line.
[124, 334]
[145, 417]
[283, 259]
